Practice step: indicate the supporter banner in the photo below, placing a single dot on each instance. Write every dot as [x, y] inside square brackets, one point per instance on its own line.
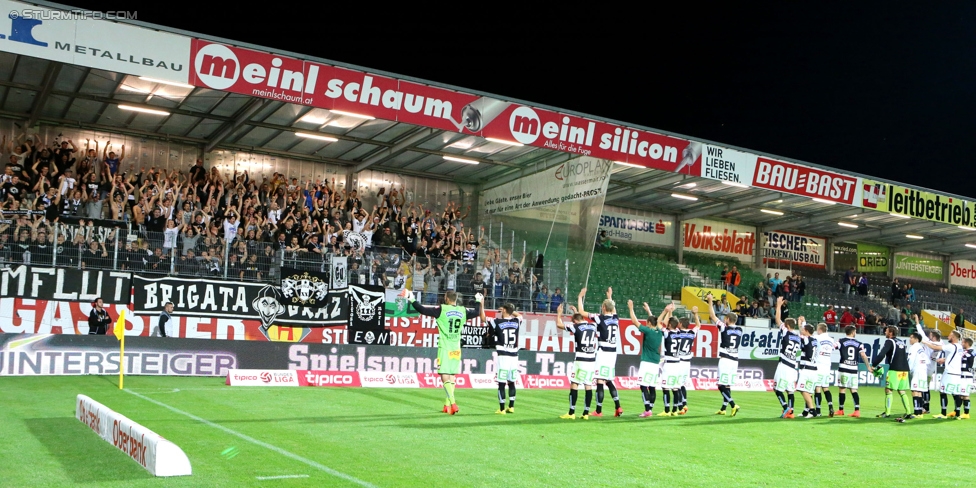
[655, 229]
[265, 75]
[367, 324]
[872, 258]
[918, 204]
[67, 284]
[714, 237]
[159, 456]
[306, 289]
[962, 273]
[37, 31]
[235, 299]
[795, 248]
[577, 179]
[724, 164]
[918, 268]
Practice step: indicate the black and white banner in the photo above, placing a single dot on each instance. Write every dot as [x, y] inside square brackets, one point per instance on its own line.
[235, 299]
[339, 272]
[303, 288]
[65, 284]
[367, 320]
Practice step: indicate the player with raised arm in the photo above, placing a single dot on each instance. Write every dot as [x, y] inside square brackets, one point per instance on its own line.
[918, 366]
[686, 352]
[608, 327]
[651, 348]
[825, 348]
[895, 353]
[786, 373]
[847, 374]
[670, 367]
[951, 382]
[450, 318]
[505, 329]
[584, 367]
[934, 373]
[730, 336]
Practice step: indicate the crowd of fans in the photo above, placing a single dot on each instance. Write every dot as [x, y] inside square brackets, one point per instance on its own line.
[87, 207]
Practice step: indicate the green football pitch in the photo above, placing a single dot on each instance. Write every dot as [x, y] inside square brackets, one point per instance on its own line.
[387, 438]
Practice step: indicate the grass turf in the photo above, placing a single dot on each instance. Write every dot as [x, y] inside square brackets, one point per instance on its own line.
[388, 437]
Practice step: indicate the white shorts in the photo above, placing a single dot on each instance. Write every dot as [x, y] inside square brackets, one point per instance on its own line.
[823, 378]
[606, 365]
[785, 378]
[935, 382]
[807, 381]
[685, 372]
[727, 371]
[920, 380]
[583, 372]
[955, 385]
[649, 374]
[508, 369]
[671, 376]
[847, 380]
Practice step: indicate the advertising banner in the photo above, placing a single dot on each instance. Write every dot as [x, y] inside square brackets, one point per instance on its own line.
[872, 258]
[724, 164]
[962, 273]
[265, 75]
[722, 238]
[37, 31]
[919, 268]
[918, 204]
[259, 377]
[159, 456]
[653, 230]
[577, 179]
[66, 284]
[795, 249]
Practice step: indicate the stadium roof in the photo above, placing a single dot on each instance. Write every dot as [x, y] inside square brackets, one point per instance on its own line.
[112, 79]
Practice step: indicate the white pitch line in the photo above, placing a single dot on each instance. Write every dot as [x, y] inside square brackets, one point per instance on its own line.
[282, 477]
[296, 457]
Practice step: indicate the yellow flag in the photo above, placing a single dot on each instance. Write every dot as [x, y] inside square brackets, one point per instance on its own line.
[120, 326]
[120, 334]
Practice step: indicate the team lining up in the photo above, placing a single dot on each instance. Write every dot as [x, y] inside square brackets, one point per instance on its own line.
[666, 353]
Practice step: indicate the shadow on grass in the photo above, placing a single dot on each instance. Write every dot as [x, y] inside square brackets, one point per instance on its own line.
[84, 456]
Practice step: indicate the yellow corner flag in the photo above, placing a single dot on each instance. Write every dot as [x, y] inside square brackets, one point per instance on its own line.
[120, 334]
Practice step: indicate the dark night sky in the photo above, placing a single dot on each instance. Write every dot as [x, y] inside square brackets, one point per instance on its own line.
[885, 89]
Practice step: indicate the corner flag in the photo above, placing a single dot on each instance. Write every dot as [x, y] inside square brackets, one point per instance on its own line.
[120, 335]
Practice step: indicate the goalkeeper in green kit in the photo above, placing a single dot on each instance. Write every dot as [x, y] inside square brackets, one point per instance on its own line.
[450, 318]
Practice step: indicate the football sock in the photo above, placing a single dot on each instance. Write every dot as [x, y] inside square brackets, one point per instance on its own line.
[965, 405]
[653, 395]
[684, 397]
[781, 398]
[599, 397]
[830, 399]
[857, 400]
[925, 400]
[725, 398]
[918, 405]
[613, 393]
[817, 397]
[447, 392]
[904, 401]
[667, 401]
[589, 399]
[573, 395]
[958, 401]
[511, 394]
[843, 398]
[945, 402]
[501, 396]
[646, 396]
[679, 396]
[791, 398]
[887, 403]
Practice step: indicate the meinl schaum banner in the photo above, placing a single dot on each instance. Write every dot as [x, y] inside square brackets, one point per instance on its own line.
[576, 179]
[794, 248]
[237, 300]
[67, 284]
